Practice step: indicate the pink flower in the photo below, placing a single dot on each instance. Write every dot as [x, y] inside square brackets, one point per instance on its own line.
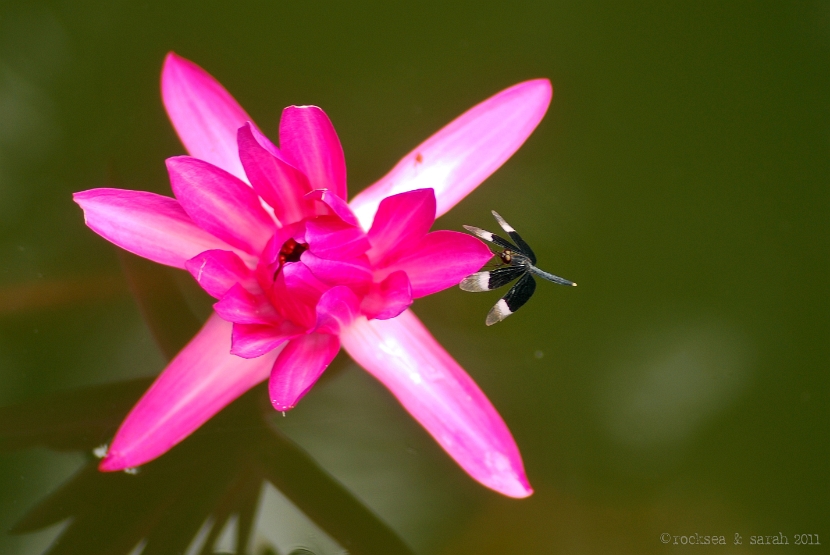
[298, 272]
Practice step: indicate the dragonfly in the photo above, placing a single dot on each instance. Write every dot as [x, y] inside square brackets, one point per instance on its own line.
[517, 262]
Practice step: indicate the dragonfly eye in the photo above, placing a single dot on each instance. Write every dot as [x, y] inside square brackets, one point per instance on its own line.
[506, 256]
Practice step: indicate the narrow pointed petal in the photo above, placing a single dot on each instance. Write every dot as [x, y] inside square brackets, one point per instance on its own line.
[388, 298]
[337, 308]
[220, 203]
[441, 260]
[149, 225]
[298, 367]
[241, 307]
[440, 395]
[401, 221]
[279, 184]
[203, 113]
[309, 142]
[202, 379]
[459, 157]
[216, 271]
[256, 340]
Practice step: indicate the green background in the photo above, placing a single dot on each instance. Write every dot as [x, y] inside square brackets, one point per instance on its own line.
[680, 177]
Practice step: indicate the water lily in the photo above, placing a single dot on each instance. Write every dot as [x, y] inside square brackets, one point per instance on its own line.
[299, 273]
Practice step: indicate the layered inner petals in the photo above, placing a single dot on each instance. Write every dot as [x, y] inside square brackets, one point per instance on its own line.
[400, 222]
[279, 184]
[149, 225]
[337, 205]
[355, 273]
[460, 156]
[295, 294]
[203, 113]
[441, 259]
[202, 379]
[298, 367]
[440, 395]
[241, 307]
[309, 142]
[220, 203]
[216, 271]
[337, 308]
[330, 237]
[388, 298]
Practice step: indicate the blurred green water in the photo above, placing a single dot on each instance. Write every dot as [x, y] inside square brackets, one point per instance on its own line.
[680, 177]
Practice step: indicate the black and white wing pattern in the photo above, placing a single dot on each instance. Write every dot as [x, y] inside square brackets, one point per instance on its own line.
[517, 296]
[486, 281]
[517, 262]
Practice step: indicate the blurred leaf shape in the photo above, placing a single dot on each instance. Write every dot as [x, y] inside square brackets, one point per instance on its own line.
[216, 474]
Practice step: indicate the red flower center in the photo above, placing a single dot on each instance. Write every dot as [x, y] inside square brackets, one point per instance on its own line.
[290, 252]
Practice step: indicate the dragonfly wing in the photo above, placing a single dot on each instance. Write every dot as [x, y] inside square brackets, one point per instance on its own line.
[491, 237]
[486, 281]
[513, 300]
[524, 248]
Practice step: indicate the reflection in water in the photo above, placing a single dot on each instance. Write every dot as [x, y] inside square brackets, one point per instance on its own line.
[197, 496]
[678, 381]
[204, 495]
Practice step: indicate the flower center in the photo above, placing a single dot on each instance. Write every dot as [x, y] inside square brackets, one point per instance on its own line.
[290, 252]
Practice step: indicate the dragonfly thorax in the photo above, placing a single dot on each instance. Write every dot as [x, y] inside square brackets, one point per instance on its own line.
[514, 258]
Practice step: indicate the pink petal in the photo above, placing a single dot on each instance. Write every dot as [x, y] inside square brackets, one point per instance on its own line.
[388, 298]
[337, 308]
[337, 205]
[279, 184]
[309, 143]
[146, 224]
[241, 307]
[355, 272]
[217, 271]
[202, 379]
[440, 260]
[437, 392]
[220, 203]
[400, 222]
[256, 340]
[298, 366]
[331, 237]
[203, 113]
[456, 159]
[263, 141]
